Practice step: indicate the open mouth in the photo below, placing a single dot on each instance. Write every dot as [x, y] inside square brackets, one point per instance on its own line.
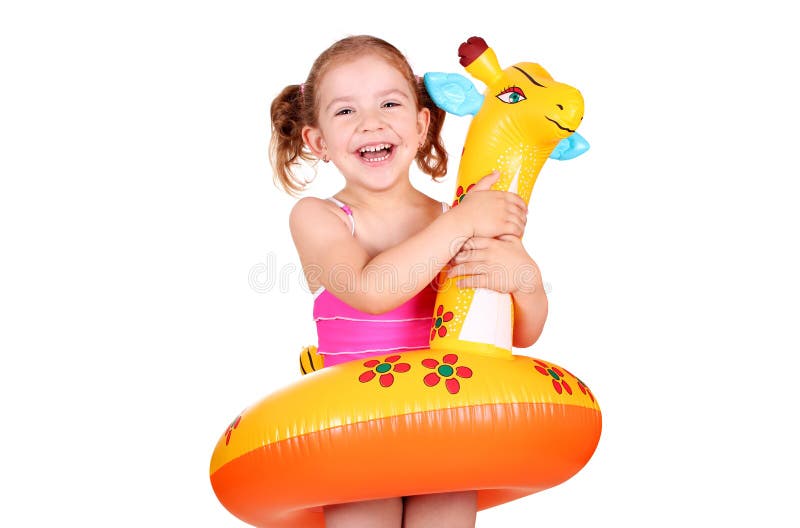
[559, 126]
[376, 153]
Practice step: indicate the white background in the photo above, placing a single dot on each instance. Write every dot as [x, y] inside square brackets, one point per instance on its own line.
[149, 288]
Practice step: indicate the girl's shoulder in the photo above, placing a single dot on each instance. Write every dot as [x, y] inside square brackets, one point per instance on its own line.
[315, 212]
[323, 240]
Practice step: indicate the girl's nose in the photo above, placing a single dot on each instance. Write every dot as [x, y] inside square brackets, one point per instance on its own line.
[371, 120]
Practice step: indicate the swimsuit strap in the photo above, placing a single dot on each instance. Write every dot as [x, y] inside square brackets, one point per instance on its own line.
[344, 207]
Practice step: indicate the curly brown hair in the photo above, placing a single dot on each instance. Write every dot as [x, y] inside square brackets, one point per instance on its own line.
[296, 107]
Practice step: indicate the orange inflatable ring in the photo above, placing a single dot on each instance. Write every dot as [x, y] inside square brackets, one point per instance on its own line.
[413, 423]
[465, 414]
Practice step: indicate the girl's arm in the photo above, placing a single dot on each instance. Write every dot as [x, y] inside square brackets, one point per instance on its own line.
[530, 310]
[331, 256]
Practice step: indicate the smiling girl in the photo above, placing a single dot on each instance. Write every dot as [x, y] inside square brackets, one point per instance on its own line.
[371, 252]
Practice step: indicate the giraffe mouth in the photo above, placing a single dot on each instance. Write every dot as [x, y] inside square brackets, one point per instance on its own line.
[570, 130]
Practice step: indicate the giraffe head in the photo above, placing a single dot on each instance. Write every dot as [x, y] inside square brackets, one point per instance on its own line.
[524, 99]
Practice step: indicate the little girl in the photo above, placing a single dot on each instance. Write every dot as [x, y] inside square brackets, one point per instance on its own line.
[371, 253]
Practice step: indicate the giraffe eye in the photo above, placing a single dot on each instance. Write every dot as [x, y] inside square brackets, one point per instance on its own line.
[512, 95]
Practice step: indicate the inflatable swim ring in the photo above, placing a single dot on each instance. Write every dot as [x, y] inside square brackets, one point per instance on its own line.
[465, 414]
[406, 424]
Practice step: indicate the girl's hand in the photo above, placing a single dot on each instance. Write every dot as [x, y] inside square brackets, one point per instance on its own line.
[500, 264]
[493, 213]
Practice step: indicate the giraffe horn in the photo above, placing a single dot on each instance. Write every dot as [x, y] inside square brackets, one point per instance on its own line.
[479, 60]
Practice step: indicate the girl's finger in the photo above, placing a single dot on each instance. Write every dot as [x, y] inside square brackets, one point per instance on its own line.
[476, 243]
[519, 205]
[455, 271]
[515, 228]
[473, 281]
[473, 255]
[461, 270]
[486, 182]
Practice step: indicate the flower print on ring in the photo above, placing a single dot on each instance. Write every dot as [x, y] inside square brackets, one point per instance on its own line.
[446, 370]
[441, 317]
[559, 383]
[385, 369]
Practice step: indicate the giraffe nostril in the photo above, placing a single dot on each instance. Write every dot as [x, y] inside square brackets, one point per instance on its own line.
[560, 107]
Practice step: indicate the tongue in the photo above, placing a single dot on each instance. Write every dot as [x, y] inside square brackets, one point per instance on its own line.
[374, 155]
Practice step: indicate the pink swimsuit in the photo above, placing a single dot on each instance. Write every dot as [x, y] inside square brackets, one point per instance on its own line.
[345, 334]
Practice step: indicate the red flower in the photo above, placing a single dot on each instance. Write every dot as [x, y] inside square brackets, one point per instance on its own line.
[438, 328]
[446, 370]
[585, 389]
[559, 383]
[383, 368]
[461, 193]
[234, 424]
[582, 386]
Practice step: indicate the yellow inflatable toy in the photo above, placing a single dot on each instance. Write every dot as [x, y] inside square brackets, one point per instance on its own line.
[465, 414]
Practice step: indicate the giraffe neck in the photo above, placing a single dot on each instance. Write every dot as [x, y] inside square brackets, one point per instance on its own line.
[519, 163]
[527, 170]
[482, 320]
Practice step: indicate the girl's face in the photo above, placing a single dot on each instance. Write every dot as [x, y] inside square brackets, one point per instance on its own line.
[368, 122]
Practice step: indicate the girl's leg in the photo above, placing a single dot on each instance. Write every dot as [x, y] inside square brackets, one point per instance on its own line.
[383, 513]
[442, 510]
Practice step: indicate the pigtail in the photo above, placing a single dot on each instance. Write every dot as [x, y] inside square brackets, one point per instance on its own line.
[288, 114]
[432, 156]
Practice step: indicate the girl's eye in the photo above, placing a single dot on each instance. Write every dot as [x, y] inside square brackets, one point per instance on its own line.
[344, 111]
[512, 95]
[390, 104]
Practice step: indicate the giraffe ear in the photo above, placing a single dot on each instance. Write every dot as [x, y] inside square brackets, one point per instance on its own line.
[453, 93]
[570, 147]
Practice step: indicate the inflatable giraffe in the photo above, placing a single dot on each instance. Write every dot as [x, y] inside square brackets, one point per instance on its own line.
[517, 125]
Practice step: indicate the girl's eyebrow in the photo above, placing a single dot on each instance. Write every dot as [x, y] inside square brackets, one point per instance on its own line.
[385, 93]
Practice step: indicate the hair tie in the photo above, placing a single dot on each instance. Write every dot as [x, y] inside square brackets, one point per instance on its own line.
[303, 89]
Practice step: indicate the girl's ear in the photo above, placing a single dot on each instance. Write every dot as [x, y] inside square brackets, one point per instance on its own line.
[423, 120]
[312, 137]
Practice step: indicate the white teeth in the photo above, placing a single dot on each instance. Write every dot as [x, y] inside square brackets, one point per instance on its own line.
[375, 160]
[375, 148]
